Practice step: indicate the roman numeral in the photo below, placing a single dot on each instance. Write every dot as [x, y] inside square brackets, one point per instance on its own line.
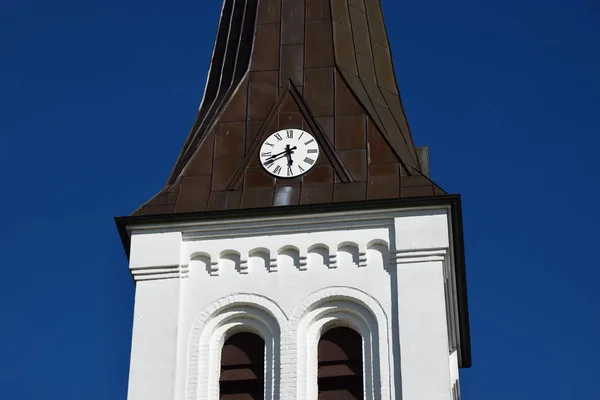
[269, 144]
[277, 170]
[278, 136]
[300, 168]
[300, 137]
[309, 142]
[309, 160]
[289, 171]
[311, 150]
[290, 134]
[265, 154]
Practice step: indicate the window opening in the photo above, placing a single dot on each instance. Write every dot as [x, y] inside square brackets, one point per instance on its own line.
[340, 375]
[242, 368]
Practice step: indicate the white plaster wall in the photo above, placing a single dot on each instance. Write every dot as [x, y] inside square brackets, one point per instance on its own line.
[423, 333]
[154, 340]
[289, 284]
[381, 271]
[303, 263]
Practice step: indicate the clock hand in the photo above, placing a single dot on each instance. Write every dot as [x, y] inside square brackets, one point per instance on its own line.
[277, 156]
[274, 156]
[288, 153]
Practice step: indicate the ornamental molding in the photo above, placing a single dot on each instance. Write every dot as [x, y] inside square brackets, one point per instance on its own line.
[300, 223]
[342, 306]
[158, 273]
[330, 252]
[295, 226]
[222, 318]
[419, 256]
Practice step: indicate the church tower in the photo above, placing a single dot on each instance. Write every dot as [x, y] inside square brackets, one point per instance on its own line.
[299, 249]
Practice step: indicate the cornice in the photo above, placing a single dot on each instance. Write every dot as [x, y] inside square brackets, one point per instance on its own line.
[281, 219]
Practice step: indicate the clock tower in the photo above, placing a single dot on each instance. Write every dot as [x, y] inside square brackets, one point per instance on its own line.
[299, 249]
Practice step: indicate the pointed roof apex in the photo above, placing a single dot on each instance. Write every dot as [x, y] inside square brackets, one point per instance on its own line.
[324, 66]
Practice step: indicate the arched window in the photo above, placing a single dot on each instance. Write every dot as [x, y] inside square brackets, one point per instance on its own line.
[242, 368]
[340, 375]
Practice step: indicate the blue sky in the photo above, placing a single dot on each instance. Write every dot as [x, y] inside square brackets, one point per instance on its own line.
[96, 99]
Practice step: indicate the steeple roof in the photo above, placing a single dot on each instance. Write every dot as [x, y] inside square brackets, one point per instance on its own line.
[324, 66]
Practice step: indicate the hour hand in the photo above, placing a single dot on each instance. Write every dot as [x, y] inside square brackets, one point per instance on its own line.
[288, 153]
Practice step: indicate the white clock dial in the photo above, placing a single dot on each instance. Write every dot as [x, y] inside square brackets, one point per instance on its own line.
[289, 153]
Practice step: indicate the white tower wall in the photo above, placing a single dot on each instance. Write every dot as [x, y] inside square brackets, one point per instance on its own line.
[287, 279]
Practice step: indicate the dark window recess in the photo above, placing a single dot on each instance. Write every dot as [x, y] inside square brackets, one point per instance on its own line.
[242, 368]
[340, 374]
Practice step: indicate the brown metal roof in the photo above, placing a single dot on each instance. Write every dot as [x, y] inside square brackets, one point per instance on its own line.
[323, 66]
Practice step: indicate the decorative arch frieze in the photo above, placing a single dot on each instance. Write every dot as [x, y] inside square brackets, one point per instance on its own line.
[378, 242]
[350, 252]
[263, 254]
[234, 260]
[319, 253]
[211, 261]
[297, 255]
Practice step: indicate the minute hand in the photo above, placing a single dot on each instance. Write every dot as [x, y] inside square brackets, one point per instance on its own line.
[276, 156]
[272, 160]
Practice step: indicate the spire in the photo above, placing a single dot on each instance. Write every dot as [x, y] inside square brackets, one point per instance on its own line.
[323, 66]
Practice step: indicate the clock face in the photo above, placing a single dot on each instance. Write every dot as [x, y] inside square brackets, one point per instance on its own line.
[289, 153]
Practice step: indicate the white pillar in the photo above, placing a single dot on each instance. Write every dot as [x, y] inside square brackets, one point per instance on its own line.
[154, 263]
[423, 333]
[421, 248]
